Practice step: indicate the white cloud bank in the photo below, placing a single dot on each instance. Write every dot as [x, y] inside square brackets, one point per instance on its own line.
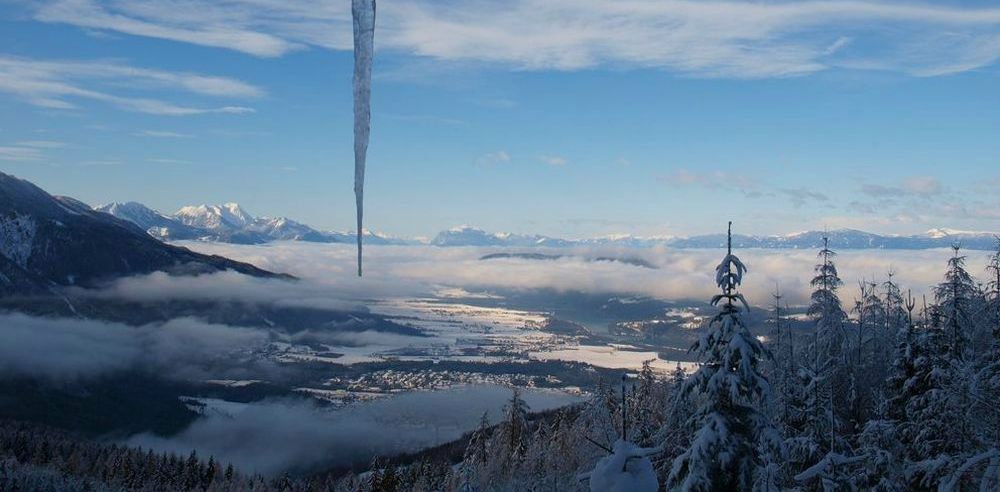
[421, 270]
[70, 348]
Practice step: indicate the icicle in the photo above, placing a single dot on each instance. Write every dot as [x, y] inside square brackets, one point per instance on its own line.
[364, 48]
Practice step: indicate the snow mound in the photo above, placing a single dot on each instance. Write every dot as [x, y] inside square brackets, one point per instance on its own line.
[627, 469]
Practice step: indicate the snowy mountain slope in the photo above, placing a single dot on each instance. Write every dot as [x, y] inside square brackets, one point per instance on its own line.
[15, 280]
[281, 228]
[231, 223]
[224, 223]
[155, 223]
[57, 241]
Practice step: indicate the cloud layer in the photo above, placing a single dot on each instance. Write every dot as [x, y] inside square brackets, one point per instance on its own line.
[69, 348]
[416, 271]
[739, 39]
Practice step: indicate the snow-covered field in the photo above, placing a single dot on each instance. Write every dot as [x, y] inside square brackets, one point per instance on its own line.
[462, 332]
[612, 357]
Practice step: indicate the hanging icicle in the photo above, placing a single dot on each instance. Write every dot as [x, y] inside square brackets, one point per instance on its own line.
[364, 50]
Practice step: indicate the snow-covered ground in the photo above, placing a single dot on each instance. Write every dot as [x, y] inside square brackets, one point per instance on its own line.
[462, 332]
[612, 357]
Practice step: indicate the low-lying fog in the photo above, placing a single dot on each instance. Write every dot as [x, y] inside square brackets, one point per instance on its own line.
[273, 436]
[683, 274]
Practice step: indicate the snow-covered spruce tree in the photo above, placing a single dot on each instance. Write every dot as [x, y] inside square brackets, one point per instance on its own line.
[808, 428]
[536, 469]
[865, 370]
[674, 435]
[723, 452]
[974, 389]
[993, 297]
[828, 343]
[567, 453]
[510, 439]
[881, 470]
[885, 337]
[599, 418]
[955, 302]
[477, 455]
[939, 433]
[985, 384]
[933, 429]
[900, 383]
[812, 432]
[649, 407]
[782, 367]
[825, 308]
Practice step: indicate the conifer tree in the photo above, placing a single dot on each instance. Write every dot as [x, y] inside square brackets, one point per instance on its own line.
[510, 439]
[954, 302]
[993, 297]
[723, 453]
[825, 307]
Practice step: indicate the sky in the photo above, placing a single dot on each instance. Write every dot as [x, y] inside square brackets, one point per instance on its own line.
[567, 118]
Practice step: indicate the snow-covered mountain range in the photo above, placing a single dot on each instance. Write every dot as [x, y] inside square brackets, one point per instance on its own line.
[839, 239]
[229, 223]
[232, 224]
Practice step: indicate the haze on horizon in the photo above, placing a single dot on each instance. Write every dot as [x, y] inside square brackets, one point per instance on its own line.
[569, 119]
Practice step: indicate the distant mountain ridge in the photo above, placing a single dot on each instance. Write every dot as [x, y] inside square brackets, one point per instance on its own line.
[231, 223]
[839, 239]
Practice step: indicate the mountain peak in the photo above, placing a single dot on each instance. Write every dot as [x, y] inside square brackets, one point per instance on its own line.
[214, 217]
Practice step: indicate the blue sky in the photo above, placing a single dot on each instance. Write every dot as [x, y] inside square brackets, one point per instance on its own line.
[569, 118]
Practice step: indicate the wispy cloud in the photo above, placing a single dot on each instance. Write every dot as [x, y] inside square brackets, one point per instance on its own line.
[554, 160]
[162, 160]
[16, 153]
[42, 144]
[800, 196]
[425, 118]
[58, 84]
[100, 162]
[493, 158]
[739, 183]
[925, 199]
[202, 23]
[161, 134]
[742, 39]
[913, 186]
[684, 177]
